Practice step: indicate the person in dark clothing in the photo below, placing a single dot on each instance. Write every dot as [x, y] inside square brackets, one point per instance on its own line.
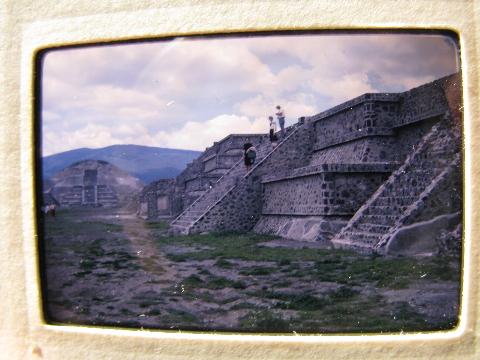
[246, 146]
[251, 155]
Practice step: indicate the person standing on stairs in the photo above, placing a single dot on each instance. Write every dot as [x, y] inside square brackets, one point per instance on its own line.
[251, 155]
[273, 130]
[281, 119]
[246, 146]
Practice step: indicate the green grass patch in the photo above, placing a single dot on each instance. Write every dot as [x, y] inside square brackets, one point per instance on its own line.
[339, 266]
[394, 273]
[284, 262]
[177, 319]
[153, 312]
[193, 281]
[257, 270]
[343, 293]
[218, 282]
[82, 273]
[87, 264]
[264, 321]
[156, 225]
[303, 302]
[223, 263]
[359, 314]
[79, 221]
[239, 246]
[243, 305]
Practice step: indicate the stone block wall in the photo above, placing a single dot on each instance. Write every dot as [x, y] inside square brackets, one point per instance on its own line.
[157, 199]
[238, 210]
[236, 141]
[422, 102]
[194, 184]
[210, 164]
[294, 152]
[383, 149]
[371, 149]
[201, 174]
[320, 194]
[367, 117]
[377, 130]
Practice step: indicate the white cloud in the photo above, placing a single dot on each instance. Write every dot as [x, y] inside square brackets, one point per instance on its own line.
[193, 135]
[179, 93]
[198, 135]
[90, 136]
[344, 88]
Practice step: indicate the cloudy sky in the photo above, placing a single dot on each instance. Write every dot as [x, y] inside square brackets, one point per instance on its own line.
[187, 93]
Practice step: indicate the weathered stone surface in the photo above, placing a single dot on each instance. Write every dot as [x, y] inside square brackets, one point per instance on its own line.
[317, 229]
[157, 199]
[419, 238]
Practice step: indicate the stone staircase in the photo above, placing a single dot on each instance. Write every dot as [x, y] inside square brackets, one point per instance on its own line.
[106, 196]
[434, 159]
[73, 197]
[224, 185]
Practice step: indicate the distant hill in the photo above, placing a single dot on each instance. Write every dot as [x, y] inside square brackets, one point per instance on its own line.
[144, 162]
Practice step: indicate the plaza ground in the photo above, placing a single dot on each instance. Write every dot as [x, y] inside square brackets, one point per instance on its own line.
[107, 267]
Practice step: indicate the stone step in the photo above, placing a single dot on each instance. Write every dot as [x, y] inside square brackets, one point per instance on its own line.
[357, 247]
[377, 219]
[385, 210]
[364, 237]
[429, 155]
[419, 171]
[179, 227]
[189, 218]
[182, 223]
[416, 177]
[424, 169]
[110, 197]
[374, 228]
[411, 191]
[392, 200]
[178, 231]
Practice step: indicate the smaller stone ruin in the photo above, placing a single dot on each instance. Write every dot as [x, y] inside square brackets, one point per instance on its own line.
[158, 200]
[93, 183]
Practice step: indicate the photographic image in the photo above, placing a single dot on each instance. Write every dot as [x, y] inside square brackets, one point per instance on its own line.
[295, 183]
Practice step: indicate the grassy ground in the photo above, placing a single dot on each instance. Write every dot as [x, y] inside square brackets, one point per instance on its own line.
[106, 267]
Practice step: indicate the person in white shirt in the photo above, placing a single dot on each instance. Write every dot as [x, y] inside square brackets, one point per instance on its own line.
[281, 119]
[273, 129]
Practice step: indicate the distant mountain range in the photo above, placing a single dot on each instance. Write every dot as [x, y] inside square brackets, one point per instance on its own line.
[144, 162]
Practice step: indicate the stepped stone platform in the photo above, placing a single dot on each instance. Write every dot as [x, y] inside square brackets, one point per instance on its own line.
[93, 183]
[353, 176]
[195, 219]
